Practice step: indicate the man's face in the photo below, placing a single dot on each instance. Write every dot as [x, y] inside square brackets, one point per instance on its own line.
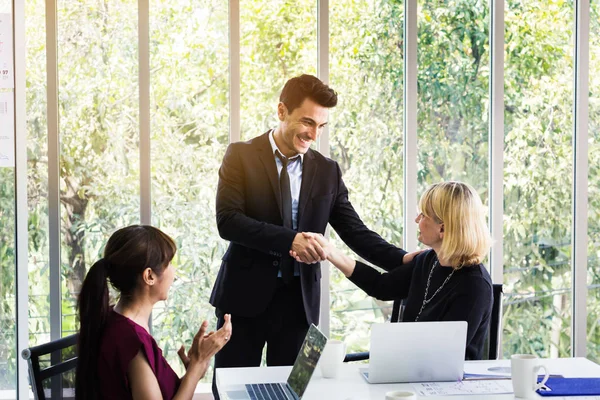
[302, 127]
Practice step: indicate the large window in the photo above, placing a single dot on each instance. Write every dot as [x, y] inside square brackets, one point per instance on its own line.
[593, 280]
[538, 178]
[366, 140]
[190, 92]
[99, 130]
[453, 98]
[278, 42]
[8, 300]
[190, 119]
[8, 343]
[37, 176]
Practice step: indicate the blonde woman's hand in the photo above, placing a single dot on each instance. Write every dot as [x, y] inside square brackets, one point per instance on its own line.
[324, 244]
[408, 257]
[336, 257]
[306, 248]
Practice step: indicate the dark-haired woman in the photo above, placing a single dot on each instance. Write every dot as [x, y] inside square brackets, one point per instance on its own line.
[118, 358]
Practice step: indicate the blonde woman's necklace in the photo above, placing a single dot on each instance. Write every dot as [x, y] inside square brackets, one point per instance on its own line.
[425, 299]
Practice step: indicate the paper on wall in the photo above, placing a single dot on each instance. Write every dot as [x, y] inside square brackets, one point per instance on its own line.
[6, 52]
[7, 129]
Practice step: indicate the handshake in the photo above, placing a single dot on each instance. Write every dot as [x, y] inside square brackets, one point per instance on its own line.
[310, 248]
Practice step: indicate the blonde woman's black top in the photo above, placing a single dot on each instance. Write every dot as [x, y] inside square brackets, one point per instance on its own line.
[466, 296]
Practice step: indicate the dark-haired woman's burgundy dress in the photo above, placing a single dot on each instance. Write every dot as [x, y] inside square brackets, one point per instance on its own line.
[121, 341]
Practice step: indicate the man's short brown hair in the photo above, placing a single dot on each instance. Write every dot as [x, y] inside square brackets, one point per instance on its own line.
[299, 88]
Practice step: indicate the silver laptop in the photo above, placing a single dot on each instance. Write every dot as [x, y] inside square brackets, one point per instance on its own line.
[416, 352]
[296, 384]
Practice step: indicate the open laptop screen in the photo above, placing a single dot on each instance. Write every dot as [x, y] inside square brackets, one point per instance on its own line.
[307, 359]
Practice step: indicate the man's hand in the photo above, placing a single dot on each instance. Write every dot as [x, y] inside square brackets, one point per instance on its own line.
[307, 248]
[408, 257]
[341, 261]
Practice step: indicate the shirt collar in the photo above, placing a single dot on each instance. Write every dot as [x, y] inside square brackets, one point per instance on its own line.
[275, 148]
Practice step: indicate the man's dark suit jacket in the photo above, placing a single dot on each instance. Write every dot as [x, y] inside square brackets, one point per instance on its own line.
[249, 216]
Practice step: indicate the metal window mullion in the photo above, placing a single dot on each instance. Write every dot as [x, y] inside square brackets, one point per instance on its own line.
[324, 148]
[580, 179]
[53, 168]
[496, 140]
[323, 62]
[54, 234]
[21, 198]
[234, 71]
[496, 145]
[144, 110]
[410, 123]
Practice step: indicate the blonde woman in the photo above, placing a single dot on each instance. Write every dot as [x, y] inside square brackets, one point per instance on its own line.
[448, 281]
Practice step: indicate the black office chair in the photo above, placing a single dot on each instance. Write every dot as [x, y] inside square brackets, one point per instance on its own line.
[493, 338]
[492, 350]
[57, 367]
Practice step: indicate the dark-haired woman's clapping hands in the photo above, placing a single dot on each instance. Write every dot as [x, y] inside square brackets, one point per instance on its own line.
[204, 347]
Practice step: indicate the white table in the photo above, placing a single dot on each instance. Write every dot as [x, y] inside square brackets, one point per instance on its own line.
[350, 385]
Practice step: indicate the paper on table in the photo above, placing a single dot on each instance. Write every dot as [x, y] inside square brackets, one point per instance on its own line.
[578, 398]
[486, 370]
[490, 370]
[463, 388]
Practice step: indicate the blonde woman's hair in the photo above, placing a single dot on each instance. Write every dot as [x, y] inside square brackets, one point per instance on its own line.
[458, 206]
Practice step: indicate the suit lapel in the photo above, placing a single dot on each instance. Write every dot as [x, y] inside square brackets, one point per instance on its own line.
[309, 171]
[268, 160]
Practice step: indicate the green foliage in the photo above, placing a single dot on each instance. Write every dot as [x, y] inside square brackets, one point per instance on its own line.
[366, 138]
[538, 176]
[8, 343]
[189, 106]
[278, 41]
[593, 280]
[453, 59]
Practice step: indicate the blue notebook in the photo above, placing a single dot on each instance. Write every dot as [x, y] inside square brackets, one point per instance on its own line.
[571, 387]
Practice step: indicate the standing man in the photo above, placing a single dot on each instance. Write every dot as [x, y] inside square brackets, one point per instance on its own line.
[271, 189]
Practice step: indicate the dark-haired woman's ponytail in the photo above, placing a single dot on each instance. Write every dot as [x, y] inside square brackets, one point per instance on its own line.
[93, 311]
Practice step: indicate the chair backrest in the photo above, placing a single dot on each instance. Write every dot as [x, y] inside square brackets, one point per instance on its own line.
[495, 323]
[397, 310]
[493, 339]
[57, 366]
[492, 352]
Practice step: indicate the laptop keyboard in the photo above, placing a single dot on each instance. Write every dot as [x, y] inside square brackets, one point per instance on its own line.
[268, 391]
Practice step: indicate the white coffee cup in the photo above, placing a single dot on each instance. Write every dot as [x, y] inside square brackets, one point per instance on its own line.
[524, 373]
[332, 358]
[400, 395]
